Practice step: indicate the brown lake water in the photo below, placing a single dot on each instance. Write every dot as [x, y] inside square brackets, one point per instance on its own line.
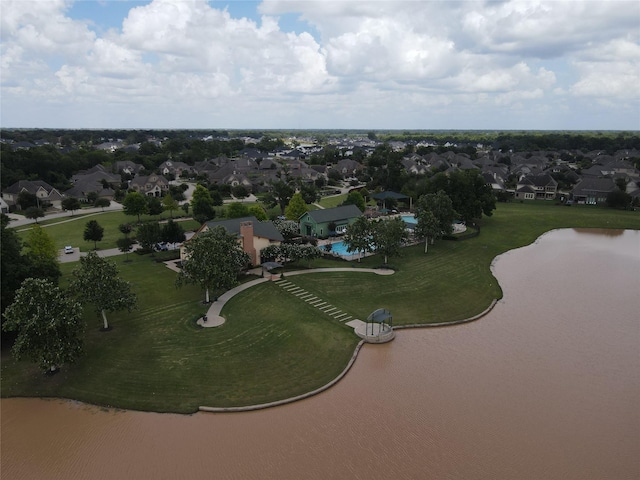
[547, 386]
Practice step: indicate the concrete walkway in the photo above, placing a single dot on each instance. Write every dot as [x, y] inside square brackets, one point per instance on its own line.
[214, 319]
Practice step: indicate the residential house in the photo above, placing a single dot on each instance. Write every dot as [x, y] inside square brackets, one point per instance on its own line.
[174, 168]
[316, 223]
[348, 168]
[151, 185]
[128, 167]
[593, 191]
[253, 235]
[44, 192]
[543, 185]
[95, 180]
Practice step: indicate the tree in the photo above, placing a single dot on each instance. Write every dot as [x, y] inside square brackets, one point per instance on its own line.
[213, 259]
[168, 203]
[125, 245]
[96, 281]
[154, 206]
[468, 191]
[102, 203]
[618, 199]
[202, 204]
[387, 237]
[43, 255]
[70, 204]
[279, 194]
[93, 232]
[355, 198]
[125, 229]
[239, 191]
[148, 235]
[258, 212]
[15, 267]
[48, 323]
[27, 199]
[288, 228]
[172, 232]
[237, 210]
[34, 213]
[357, 237]
[296, 207]
[435, 215]
[309, 192]
[134, 203]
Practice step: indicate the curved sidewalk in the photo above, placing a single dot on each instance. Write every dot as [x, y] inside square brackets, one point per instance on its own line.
[214, 319]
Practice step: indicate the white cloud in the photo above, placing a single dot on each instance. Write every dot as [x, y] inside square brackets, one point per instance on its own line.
[379, 62]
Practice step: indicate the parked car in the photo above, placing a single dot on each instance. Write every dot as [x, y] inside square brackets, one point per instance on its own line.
[68, 249]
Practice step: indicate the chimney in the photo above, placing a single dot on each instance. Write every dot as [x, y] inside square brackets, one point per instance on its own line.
[246, 232]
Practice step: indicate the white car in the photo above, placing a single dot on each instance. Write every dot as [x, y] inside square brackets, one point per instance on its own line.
[68, 249]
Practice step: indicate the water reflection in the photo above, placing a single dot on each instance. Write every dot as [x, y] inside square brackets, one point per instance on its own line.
[547, 386]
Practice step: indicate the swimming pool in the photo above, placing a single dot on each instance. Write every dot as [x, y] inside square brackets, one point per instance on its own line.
[341, 249]
[409, 219]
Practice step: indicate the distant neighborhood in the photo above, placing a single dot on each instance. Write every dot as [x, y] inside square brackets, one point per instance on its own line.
[42, 170]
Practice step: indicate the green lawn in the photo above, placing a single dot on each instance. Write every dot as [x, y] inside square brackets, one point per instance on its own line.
[274, 345]
[70, 230]
[332, 201]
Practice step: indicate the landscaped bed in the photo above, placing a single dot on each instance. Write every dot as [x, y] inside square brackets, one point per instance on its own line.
[273, 345]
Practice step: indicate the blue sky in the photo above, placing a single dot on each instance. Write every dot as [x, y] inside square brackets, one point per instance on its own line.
[510, 65]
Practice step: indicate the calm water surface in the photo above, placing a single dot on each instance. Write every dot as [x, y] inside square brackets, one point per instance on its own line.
[547, 386]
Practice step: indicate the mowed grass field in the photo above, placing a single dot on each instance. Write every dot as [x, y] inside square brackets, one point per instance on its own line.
[274, 345]
[70, 230]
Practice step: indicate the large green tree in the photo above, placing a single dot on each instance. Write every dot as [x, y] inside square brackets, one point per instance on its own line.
[168, 203]
[435, 215]
[388, 236]
[213, 259]
[96, 281]
[202, 204]
[280, 192]
[93, 232]
[296, 207]
[172, 232]
[15, 266]
[34, 213]
[70, 204]
[355, 198]
[148, 235]
[470, 195]
[134, 203]
[237, 210]
[43, 254]
[48, 324]
[357, 238]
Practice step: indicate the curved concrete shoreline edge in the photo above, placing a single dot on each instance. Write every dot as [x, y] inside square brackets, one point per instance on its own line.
[342, 374]
[291, 399]
[455, 322]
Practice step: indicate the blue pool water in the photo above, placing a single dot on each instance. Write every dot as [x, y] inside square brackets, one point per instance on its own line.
[341, 249]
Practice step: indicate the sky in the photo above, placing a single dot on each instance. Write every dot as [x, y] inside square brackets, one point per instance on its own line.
[297, 64]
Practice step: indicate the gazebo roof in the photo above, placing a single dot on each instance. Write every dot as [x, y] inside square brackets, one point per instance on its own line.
[379, 316]
[386, 195]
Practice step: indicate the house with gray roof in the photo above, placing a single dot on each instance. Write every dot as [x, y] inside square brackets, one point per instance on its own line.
[44, 192]
[593, 191]
[151, 185]
[544, 186]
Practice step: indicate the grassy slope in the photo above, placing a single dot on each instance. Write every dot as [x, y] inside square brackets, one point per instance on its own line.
[274, 345]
